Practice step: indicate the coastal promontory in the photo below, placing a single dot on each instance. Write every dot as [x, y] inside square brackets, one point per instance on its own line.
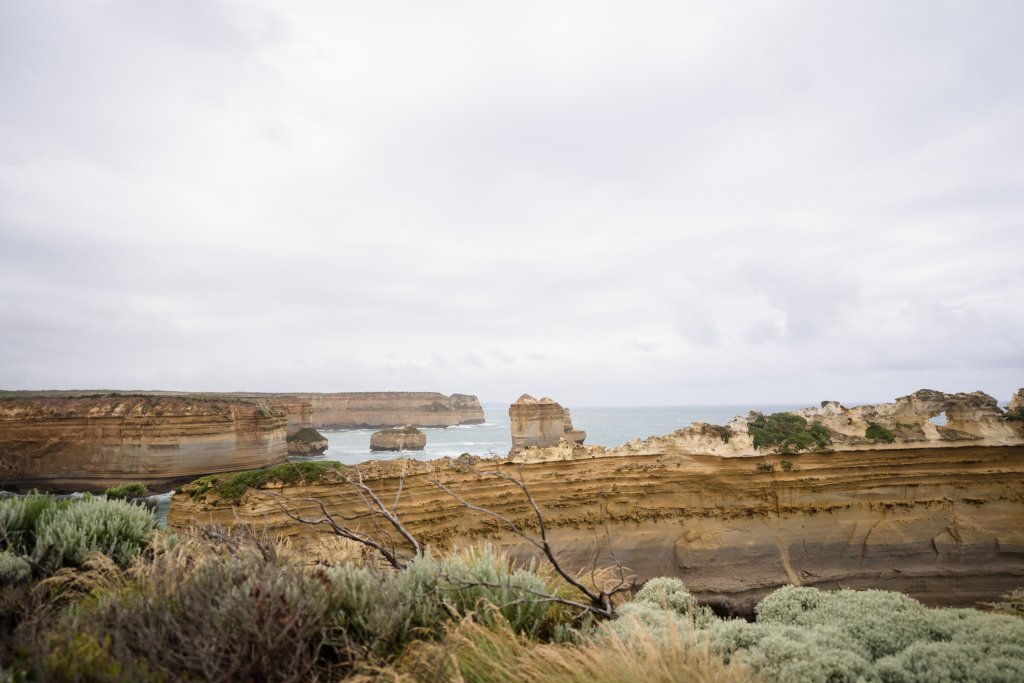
[90, 442]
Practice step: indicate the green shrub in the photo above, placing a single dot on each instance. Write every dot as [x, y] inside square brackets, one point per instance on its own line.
[877, 432]
[67, 535]
[232, 487]
[478, 577]
[307, 435]
[786, 465]
[19, 519]
[13, 569]
[238, 612]
[1010, 603]
[126, 491]
[787, 433]
[765, 467]
[883, 622]
[948, 662]
[786, 653]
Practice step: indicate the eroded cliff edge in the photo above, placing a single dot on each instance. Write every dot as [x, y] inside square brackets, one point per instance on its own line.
[93, 442]
[940, 521]
[943, 525]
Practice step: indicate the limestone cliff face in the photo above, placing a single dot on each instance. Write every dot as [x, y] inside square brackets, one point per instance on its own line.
[942, 524]
[406, 439]
[93, 442]
[541, 423]
[392, 409]
[973, 419]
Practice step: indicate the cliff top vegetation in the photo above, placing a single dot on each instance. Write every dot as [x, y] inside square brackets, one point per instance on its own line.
[217, 604]
[233, 486]
[787, 433]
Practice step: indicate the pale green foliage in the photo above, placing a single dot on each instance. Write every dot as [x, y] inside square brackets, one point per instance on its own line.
[885, 623]
[948, 663]
[789, 653]
[667, 592]
[13, 569]
[480, 577]
[115, 528]
[19, 519]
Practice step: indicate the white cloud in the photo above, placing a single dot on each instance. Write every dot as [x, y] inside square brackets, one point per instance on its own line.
[608, 203]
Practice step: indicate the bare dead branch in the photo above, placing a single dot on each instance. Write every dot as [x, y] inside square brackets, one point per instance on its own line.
[600, 600]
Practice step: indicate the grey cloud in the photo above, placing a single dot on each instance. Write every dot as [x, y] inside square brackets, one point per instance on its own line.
[652, 203]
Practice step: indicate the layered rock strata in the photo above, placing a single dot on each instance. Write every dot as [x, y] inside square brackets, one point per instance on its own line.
[93, 442]
[405, 439]
[942, 524]
[374, 410]
[540, 423]
[973, 419]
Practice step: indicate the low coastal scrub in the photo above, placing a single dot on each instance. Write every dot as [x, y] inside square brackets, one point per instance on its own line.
[877, 432]
[48, 533]
[233, 486]
[787, 433]
[90, 592]
[305, 435]
[127, 491]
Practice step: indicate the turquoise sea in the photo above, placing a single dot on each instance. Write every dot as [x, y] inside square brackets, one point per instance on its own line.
[604, 426]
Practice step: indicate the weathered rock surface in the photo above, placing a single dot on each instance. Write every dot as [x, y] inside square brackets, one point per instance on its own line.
[372, 410]
[541, 423]
[93, 442]
[940, 521]
[405, 439]
[306, 441]
[942, 524]
[971, 419]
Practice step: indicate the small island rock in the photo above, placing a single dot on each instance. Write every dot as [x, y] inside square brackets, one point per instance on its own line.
[398, 439]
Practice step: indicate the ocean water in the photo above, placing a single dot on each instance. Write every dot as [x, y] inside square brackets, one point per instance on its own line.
[604, 426]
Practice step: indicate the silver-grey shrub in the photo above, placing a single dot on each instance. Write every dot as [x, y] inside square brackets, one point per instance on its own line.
[13, 569]
[885, 623]
[948, 662]
[67, 535]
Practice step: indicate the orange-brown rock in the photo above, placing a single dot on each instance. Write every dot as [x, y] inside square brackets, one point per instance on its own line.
[405, 439]
[93, 442]
[942, 524]
[374, 410]
[973, 419]
[540, 423]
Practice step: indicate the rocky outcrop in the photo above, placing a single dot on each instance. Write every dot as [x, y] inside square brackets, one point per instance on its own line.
[405, 439]
[541, 423]
[973, 419]
[306, 441]
[90, 442]
[373, 410]
[942, 524]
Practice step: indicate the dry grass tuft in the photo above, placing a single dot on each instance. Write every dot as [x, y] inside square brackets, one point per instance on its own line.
[473, 653]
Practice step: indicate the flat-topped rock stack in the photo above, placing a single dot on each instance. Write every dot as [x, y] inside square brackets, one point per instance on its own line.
[407, 438]
[540, 423]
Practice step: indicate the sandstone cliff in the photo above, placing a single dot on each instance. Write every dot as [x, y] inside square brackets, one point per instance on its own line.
[373, 410]
[93, 442]
[973, 419]
[405, 439]
[942, 524]
[940, 520]
[541, 423]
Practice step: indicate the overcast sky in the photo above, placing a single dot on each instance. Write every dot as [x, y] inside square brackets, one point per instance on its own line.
[628, 203]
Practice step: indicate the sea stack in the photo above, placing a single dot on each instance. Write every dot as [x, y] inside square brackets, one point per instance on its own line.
[404, 439]
[306, 441]
[541, 423]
